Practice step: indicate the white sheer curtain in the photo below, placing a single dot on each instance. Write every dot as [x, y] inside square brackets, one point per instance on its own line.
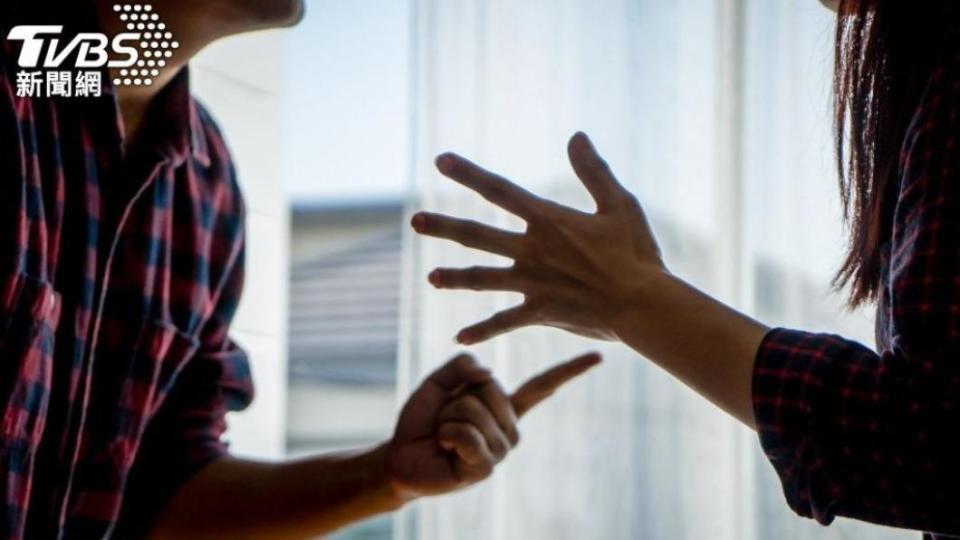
[715, 112]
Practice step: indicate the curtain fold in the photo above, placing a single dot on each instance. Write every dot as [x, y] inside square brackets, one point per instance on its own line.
[627, 452]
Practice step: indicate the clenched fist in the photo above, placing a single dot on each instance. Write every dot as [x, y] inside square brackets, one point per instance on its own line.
[459, 424]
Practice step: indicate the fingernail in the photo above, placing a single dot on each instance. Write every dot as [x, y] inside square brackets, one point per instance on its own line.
[445, 163]
[581, 141]
[419, 223]
[434, 278]
[464, 338]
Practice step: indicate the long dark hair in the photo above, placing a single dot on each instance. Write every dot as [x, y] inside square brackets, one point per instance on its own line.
[886, 50]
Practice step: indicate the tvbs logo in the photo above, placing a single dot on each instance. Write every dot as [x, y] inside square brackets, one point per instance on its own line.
[51, 66]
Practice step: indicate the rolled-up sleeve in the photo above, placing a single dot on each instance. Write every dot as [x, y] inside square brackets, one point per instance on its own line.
[873, 436]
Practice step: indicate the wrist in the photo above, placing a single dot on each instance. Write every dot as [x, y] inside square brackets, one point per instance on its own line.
[396, 495]
[644, 289]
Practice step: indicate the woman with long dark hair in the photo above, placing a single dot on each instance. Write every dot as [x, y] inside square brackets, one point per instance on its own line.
[851, 432]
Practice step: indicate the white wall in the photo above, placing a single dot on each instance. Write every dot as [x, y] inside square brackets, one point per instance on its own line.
[348, 112]
[241, 82]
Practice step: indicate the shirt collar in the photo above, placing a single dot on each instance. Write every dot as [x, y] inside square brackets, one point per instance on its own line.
[172, 126]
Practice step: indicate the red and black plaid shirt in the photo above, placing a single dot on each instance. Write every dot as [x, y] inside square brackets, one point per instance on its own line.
[119, 277]
[874, 436]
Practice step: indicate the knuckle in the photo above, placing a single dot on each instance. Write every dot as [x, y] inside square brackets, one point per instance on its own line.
[464, 361]
[499, 449]
[472, 277]
[631, 201]
[537, 253]
[472, 404]
[483, 470]
[465, 230]
[515, 437]
[466, 439]
[600, 164]
[456, 409]
[495, 389]
[539, 211]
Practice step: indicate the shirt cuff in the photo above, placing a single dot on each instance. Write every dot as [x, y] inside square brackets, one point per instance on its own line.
[789, 379]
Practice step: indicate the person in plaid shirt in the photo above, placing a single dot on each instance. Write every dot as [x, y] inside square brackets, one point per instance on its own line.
[851, 432]
[121, 267]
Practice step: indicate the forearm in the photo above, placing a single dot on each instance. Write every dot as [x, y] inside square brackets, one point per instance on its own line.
[704, 343]
[234, 498]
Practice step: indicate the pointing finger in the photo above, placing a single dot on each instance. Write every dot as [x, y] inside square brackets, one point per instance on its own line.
[539, 388]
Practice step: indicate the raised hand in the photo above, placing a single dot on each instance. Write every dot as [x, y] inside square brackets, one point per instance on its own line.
[460, 423]
[577, 271]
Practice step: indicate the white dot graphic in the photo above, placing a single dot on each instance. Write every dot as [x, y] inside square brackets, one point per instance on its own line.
[175, 44]
[155, 72]
[161, 26]
[126, 81]
[147, 54]
[168, 54]
[117, 7]
[126, 7]
[148, 82]
[124, 72]
[123, 17]
[116, 82]
[131, 26]
[137, 7]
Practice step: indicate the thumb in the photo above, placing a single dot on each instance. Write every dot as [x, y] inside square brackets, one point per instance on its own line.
[594, 172]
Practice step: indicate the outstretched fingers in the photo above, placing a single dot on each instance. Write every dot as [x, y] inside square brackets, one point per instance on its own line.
[492, 187]
[500, 323]
[481, 278]
[468, 233]
[595, 173]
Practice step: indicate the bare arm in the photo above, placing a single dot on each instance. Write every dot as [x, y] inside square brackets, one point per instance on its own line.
[451, 433]
[297, 499]
[599, 275]
[704, 343]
